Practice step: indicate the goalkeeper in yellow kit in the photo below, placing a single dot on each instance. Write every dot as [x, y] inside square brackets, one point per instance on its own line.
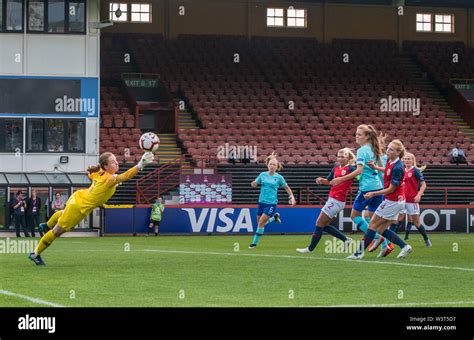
[82, 202]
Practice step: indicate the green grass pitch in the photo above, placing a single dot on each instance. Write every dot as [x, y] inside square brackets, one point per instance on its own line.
[185, 271]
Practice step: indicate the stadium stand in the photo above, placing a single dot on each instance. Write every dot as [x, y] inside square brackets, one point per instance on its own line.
[241, 92]
[249, 103]
[437, 59]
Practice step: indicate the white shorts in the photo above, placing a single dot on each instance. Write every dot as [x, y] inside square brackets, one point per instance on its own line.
[389, 210]
[412, 208]
[333, 207]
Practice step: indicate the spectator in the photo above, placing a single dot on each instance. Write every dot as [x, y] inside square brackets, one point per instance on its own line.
[19, 207]
[33, 207]
[57, 204]
[458, 155]
[156, 214]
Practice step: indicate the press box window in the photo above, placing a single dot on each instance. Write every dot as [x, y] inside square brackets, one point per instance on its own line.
[11, 135]
[296, 17]
[56, 16]
[55, 135]
[275, 17]
[36, 12]
[141, 13]
[11, 15]
[77, 17]
[444, 23]
[118, 12]
[423, 22]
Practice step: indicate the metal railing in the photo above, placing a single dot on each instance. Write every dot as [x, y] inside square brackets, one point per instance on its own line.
[159, 181]
[167, 177]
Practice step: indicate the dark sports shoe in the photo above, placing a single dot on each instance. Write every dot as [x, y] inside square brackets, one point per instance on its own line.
[36, 259]
[43, 227]
[428, 243]
[252, 246]
[277, 218]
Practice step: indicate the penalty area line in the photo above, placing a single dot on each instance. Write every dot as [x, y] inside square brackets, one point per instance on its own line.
[30, 298]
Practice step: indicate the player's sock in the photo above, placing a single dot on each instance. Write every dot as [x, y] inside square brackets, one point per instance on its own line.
[258, 234]
[392, 237]
[367, 239]
[332, 230]
[361, 224]
[54, 219]
[423, 233]
[270, 220]
[407, 231]
[318, 232]
[394, 227]
[45, 242]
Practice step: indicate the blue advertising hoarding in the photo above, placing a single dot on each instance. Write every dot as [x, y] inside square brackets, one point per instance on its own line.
[235, 219]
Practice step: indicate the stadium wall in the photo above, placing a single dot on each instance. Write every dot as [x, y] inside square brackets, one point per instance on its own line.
[51, 58]
[325, 21]
[231, 219]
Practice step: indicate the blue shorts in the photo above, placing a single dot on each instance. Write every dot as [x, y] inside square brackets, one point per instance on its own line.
[267, 209]
[372, 204]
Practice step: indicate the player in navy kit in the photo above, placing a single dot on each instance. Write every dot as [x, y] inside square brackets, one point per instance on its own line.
[394, 202]
[336, 202]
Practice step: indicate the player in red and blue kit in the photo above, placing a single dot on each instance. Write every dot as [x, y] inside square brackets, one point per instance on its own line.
[336, 202]
[393, 204]
[415, 187]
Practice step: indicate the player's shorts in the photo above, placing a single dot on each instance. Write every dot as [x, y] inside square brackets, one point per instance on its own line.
[389, 210]
[361, 202]
[155, 223]
[267, 209]
[72, 215]
[412, 208]
[333, 207]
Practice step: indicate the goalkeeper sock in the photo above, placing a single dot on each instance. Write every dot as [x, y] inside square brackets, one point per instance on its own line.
[45, 242]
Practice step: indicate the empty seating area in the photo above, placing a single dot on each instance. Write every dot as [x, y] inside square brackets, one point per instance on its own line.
[123, 142]
[118, 132]
[437, 59]
[298, 97]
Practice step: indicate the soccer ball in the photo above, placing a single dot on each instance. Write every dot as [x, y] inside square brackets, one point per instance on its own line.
[149, 142]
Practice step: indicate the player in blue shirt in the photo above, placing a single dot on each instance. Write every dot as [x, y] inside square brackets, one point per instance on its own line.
[369, 180]
[269, 181]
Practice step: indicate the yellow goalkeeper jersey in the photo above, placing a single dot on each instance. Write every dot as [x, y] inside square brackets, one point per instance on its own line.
[102, 188]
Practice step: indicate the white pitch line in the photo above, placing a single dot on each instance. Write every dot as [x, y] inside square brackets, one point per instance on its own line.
[312, 258]
[29, 298]
[406, 304]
